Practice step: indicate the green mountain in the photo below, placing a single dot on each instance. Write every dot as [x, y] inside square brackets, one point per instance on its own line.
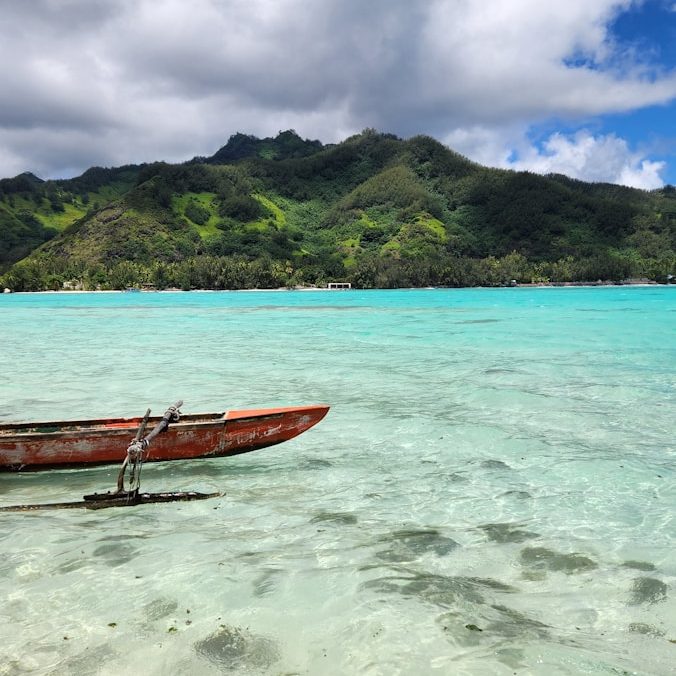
[286, 145]
[374, 210]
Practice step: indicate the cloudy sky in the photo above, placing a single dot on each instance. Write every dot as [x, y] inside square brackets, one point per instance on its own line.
[581, 87]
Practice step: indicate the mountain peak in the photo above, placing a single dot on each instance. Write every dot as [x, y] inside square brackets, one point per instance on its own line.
[287, 144]
[31, 177]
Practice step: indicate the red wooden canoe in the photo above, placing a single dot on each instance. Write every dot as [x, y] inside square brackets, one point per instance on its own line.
[50, 445]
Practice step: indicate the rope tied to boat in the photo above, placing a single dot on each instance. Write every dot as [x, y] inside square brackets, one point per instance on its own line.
[134, 462]
[135, 451]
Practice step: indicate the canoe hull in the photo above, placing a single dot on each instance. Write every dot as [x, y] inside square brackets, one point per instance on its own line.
[41, 446]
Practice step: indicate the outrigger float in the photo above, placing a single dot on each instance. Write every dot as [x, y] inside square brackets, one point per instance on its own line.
[63, 445]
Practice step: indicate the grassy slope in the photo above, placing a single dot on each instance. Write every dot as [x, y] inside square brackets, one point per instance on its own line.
[34, 211]
[206, 201]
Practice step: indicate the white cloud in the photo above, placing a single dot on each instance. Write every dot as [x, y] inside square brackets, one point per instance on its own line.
[643, 174]
[592, 158]
[583, 155]
[169, 79]
[491, 146]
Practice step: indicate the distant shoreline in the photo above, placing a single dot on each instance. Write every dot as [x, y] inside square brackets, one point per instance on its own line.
[525, 285]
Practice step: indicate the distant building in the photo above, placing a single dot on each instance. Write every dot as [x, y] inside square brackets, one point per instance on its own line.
[339, 285]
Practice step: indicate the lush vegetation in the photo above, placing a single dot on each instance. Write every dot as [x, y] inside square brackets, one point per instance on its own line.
[33, 211]
[374, 210]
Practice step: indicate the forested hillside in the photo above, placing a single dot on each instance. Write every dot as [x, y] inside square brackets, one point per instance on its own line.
[374, 210]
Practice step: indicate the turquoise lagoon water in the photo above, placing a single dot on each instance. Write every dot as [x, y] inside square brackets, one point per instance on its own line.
[492, 492]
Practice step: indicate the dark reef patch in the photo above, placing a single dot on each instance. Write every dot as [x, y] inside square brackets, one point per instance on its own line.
[408, 545]
[442, 590]
[541, 558]
[490, 624]
[507, 532]
[495, 464]
[457, 478]
[520, 495]
[235, 649]
[315, 463]
[646, 629]
[513, 623]
[266, 583]
[160, 608]
[647, 590]
[115, 554]
[344, 518]
[639, 565]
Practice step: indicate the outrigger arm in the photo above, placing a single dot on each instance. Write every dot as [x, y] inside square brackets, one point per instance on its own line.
[134, 458]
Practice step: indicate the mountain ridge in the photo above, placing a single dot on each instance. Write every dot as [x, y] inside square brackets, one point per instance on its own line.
[374, 209]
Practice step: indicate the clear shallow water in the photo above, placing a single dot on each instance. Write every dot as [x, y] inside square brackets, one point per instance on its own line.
[492, 492]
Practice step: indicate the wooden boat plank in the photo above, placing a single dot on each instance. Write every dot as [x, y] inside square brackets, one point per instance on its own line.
[38, 446]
